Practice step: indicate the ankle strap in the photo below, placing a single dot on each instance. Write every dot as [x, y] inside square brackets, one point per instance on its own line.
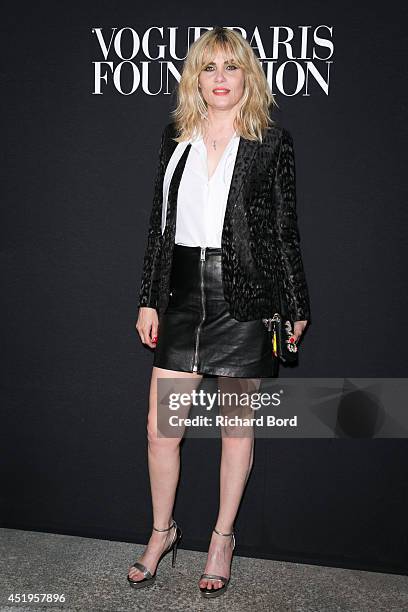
[224, 534]
[174, 524]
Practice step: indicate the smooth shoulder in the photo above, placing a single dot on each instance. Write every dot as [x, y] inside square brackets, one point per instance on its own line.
[170, 129]
[278, 132]
[286, 136]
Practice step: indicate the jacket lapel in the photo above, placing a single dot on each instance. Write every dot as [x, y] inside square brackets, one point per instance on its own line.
[173, 190]
[243, 160]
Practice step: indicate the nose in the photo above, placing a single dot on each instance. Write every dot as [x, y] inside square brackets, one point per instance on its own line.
[219, 75]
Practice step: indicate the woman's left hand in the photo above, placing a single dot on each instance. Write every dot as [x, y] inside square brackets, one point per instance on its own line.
[299, 327]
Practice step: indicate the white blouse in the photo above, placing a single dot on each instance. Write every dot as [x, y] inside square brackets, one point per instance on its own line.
[201, 202]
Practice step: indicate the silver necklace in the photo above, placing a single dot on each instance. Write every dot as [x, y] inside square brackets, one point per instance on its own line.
[214, 145]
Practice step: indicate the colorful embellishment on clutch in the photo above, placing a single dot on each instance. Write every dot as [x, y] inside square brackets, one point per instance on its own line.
[290, 340]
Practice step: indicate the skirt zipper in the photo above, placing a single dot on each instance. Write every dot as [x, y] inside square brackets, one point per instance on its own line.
[197, 338]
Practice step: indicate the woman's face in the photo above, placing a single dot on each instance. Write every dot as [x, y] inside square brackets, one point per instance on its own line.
[221, 82]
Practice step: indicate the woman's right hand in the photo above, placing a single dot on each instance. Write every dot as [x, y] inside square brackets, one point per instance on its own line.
[147, 325]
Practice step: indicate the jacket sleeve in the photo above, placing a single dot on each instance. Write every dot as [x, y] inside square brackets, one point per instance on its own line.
[294, 290]
[149, 289]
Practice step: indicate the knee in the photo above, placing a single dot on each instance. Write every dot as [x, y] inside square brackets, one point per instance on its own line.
[157, 440]
[239, 447]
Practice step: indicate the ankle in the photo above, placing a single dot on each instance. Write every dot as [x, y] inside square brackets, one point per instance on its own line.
[163, 531]
[223, 530]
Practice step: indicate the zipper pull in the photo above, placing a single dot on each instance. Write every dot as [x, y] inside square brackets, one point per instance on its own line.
[202, 255]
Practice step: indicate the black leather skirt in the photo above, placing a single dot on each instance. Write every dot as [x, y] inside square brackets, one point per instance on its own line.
[197, 332]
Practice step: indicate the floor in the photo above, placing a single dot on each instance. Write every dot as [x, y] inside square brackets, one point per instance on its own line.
[92, 576]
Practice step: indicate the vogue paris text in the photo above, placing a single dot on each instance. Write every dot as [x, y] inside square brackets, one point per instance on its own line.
[296, 60]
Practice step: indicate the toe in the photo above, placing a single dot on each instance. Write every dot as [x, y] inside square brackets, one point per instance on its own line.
[210, 584]
[134, 574]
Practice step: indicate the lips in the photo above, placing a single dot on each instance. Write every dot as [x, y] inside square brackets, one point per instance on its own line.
[220, 91]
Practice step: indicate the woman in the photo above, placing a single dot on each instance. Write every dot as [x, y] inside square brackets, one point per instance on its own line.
[223, 220]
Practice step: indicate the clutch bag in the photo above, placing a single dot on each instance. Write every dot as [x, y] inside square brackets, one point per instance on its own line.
[283, 341]
[284, 346]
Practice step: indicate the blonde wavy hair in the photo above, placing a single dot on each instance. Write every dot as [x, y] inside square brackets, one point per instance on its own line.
[254, 114]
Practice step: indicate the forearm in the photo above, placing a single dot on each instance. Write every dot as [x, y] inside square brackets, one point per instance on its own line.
[149, 289]
[294, 290]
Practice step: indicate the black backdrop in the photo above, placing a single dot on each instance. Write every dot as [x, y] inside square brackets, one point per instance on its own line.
[78, 179]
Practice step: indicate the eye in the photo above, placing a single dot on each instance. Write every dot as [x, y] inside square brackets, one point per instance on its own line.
[211, 67]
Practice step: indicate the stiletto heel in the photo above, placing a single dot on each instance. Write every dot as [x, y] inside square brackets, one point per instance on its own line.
[173, 561]
[205, 592]
[150, 578]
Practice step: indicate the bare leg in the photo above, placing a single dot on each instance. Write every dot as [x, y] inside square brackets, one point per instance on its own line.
[164, 469]
[236, 464]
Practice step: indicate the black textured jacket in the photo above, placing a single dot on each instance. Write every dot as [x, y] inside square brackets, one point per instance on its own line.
[260, 237]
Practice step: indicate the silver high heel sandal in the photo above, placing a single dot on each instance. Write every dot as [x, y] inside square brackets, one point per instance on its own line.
[150, 578]
[205, 592]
